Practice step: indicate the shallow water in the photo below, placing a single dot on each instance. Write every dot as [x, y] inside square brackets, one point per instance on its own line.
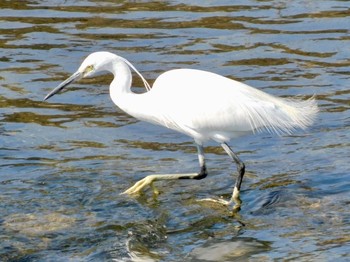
[65, 162]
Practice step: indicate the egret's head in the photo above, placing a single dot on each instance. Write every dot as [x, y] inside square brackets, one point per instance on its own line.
[95, 62]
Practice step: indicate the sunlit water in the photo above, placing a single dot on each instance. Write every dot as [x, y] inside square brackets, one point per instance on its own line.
[65, 162]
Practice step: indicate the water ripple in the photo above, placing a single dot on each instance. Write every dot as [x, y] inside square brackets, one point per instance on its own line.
[65, 163]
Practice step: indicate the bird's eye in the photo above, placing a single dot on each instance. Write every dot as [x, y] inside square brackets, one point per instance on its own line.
[88, 69]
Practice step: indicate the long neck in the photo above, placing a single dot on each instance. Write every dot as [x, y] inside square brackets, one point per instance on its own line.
[120, 91]
[121, 83]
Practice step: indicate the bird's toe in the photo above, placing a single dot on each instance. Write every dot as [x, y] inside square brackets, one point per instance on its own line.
[140, 185]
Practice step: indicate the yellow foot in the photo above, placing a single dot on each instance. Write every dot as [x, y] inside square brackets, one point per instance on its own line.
[141, 184]
[235, 202]
[216, 201]
[235, 195]
[235, 205]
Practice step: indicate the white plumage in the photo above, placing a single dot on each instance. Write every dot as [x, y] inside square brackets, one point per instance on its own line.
[200, 104]
[213, 106]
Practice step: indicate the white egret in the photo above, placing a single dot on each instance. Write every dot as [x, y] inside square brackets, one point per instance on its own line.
[200, 104]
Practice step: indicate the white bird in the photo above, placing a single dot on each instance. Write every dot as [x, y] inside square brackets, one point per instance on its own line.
[200, 104]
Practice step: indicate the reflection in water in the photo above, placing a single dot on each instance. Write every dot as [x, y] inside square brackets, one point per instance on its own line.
[32, 231]
[147, 236]
[33, 225]
[63, 165]
[230, 250]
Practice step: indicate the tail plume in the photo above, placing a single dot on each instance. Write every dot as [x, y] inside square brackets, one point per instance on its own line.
[288, 115]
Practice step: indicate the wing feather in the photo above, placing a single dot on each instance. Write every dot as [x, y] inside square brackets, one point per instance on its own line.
[225, 105]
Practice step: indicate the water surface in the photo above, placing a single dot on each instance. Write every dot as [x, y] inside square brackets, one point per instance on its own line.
[65, 162]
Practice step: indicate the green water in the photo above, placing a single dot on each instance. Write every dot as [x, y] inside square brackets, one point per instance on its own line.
[65, 162]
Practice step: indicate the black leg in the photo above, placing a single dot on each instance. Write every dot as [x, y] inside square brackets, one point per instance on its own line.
[148, 181]
[203, 172]
[239, 163]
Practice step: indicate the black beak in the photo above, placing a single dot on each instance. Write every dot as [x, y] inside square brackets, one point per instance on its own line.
[71, 79]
